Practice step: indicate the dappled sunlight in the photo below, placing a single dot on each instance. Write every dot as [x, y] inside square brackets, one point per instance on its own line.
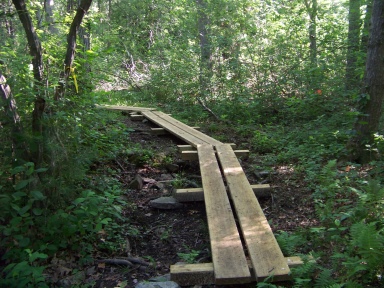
[233, 170]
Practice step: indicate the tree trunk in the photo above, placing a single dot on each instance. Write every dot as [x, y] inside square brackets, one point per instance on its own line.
[351, 75]
[366, 26]
[312, 31]
[48, 9]
[373, 91]
[71, 46]
[19, 148]
[205, 50]
[35, 51]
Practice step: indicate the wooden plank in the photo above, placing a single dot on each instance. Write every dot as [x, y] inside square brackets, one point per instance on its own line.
[162, 131]
[193, 274]
[186, 148]
[191, 148]
[179, 129]
[180, 132]
[124, 108]
[266, 256]
[203, 273]
[137, 117]
[189, 194]
[228, 257]
[192, 155]
[197, 194]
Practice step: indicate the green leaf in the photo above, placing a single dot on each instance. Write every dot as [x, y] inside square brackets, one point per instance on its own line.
[37, 211]
[22, 184]
[37, 195]
[105, 220]
[17, 169]
[37, 255]
[24, 242]
[41, 170]
[18, 195]
[25, 209]
[78, 201]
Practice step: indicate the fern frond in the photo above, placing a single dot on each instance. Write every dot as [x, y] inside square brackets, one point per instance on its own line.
[325, 279]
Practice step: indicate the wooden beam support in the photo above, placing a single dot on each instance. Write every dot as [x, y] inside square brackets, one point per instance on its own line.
[203, 274]
[192, 155]
[191, 148]
[197, 194]
[137, 117]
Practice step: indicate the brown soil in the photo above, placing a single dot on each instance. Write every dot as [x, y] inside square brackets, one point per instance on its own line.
[162, 234]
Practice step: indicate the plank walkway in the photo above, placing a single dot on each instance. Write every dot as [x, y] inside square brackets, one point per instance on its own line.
[233, 262]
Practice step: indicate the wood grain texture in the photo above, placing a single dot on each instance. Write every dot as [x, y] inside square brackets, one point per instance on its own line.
[197, 194]
[266, 256]
[203, 274]
[192, 154]
[124, 108]
[179, 129]
[228, 256]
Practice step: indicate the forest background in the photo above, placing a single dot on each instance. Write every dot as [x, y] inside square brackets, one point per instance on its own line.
[300, 80]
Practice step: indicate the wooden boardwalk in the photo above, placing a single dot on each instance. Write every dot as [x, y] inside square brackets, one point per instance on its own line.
[243, 246]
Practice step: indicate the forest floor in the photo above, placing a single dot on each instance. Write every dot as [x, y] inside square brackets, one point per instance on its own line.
[164, 237]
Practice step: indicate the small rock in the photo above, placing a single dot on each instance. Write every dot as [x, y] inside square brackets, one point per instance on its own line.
[166, 284]
[136, 183]
[161, 278]
[172, 167]
[165, 177]
[158, 186]
[165, 203]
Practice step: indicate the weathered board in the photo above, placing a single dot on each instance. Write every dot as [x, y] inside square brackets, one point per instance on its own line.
[229, 261]
[179, 129]
[162, 131]
[192, 155]
[124, 108]
[263, 249]
[203, 274]
[197, 194]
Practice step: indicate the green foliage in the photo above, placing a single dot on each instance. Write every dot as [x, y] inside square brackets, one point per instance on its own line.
[189, 257]
[289, 242]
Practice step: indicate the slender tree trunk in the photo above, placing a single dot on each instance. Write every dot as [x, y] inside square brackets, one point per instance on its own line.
[366, 26]
[8, 102]
[35, 51]
[373, 91]
[312, 30]
[71, 46]
[48, 9]
[19, 147]
[351, 75]
[205, 50]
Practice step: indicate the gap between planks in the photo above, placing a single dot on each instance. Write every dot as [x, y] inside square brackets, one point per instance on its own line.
[226, 246]
[263, 249]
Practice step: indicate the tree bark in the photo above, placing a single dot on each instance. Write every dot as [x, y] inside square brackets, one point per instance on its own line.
[8, 102]
[48, 9]
[351, 75]
[312, 30]
[19, 147]
[373, 91]
[35, 51]
[366, 26]
[71, 46]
